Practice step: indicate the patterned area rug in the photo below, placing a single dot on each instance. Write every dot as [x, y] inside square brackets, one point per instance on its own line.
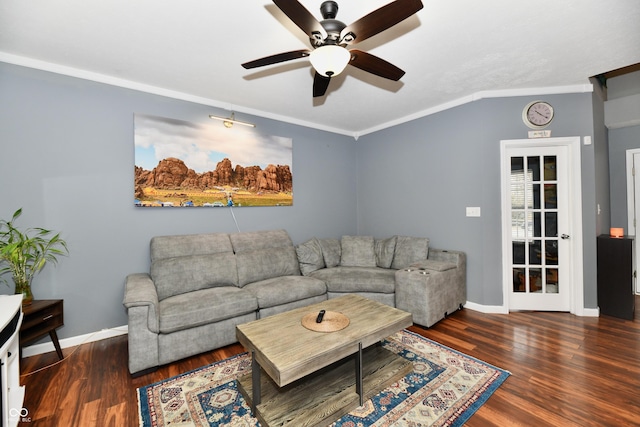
[445, 388]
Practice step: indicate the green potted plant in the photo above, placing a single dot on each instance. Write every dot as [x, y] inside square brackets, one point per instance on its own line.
[23, 254]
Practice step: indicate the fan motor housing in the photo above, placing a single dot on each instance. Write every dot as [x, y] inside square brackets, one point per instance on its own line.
[333, 27]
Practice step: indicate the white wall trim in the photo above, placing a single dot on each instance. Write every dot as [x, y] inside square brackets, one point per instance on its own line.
[124, 330]
[485, 94]
[590, 312]
[488, 309]
[74, 341]
[128, 84]
[155, 90]
[500, 309]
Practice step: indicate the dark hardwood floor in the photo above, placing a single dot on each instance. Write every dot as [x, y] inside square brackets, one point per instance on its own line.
[566, 371]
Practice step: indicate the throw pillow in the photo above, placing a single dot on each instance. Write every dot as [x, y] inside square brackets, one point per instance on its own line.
[331, 251]
[409, 250]
[358, 251]
[384, 251]
[310, 256]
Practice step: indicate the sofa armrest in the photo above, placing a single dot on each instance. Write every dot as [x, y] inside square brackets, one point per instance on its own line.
[430, 295]
[455, 257]
[139, 291]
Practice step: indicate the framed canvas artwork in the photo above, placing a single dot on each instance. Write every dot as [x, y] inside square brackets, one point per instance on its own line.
[184, 164]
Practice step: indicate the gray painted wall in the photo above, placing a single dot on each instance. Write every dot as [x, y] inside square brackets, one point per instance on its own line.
[67, 159]
[620, 140]
[417, 179]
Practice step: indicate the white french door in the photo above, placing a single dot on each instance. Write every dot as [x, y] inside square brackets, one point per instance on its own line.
[536, 230]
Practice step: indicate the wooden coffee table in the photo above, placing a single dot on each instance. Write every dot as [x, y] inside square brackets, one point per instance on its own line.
[311, 378]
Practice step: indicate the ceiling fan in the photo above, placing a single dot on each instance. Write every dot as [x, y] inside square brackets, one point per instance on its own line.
[330, 38]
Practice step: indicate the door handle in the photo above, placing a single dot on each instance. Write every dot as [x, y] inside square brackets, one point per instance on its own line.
[564, 236]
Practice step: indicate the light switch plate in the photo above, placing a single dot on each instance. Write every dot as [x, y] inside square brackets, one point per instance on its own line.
[473, 211]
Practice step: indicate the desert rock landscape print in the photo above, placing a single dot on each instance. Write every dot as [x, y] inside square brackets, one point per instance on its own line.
[166, 149]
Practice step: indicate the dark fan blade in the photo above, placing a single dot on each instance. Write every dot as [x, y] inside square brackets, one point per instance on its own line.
[378, 66]
[274, 59]
[320, 84]
[379, 20]
[302, 18]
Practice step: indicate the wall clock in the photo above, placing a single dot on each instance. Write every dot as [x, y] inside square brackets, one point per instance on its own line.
[537, 114]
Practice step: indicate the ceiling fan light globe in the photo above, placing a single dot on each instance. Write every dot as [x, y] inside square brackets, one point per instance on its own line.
[330, 60]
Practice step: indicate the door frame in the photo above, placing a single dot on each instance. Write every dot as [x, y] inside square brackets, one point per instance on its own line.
[631, 211]
[576, 286]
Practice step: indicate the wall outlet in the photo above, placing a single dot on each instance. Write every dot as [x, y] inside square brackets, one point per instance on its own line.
[473, 211]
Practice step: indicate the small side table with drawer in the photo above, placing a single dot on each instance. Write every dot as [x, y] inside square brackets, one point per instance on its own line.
[42, 317]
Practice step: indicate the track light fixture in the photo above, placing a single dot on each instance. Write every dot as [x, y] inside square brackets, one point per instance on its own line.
[230, 121]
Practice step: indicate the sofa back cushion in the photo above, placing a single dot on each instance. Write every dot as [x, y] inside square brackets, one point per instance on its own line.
[310, 256]
[262, 264]
[254, 240]
[385, 249]
[409, 250]
[178, 275]
[189, 262]
[358, 251]
[262, 255]
[331, 252]
[189, 244]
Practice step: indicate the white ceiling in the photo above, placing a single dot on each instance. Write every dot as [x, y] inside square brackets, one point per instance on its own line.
[452, 51]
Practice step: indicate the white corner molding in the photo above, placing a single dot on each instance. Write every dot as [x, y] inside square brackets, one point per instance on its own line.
[485, 94]
[155, 90]
[128, 84]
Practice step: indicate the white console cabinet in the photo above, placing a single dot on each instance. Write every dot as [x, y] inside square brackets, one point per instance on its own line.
[11, 393]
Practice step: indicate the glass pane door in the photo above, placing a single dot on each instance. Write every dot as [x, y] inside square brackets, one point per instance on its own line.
[534, 224]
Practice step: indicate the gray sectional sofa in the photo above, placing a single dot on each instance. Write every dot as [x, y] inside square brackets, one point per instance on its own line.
[399, 271]
[201, 286]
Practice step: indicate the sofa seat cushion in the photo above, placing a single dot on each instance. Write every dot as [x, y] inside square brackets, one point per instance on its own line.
[285, 289]
[357, 279]
[202, 307]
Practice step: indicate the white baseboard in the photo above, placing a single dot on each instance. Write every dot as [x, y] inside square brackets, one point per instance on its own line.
[493, 309]
[499, 309]
[74, 341]
[32, 350]
[590, 312]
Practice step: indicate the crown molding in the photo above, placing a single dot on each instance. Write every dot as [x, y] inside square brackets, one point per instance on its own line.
[128, 84]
